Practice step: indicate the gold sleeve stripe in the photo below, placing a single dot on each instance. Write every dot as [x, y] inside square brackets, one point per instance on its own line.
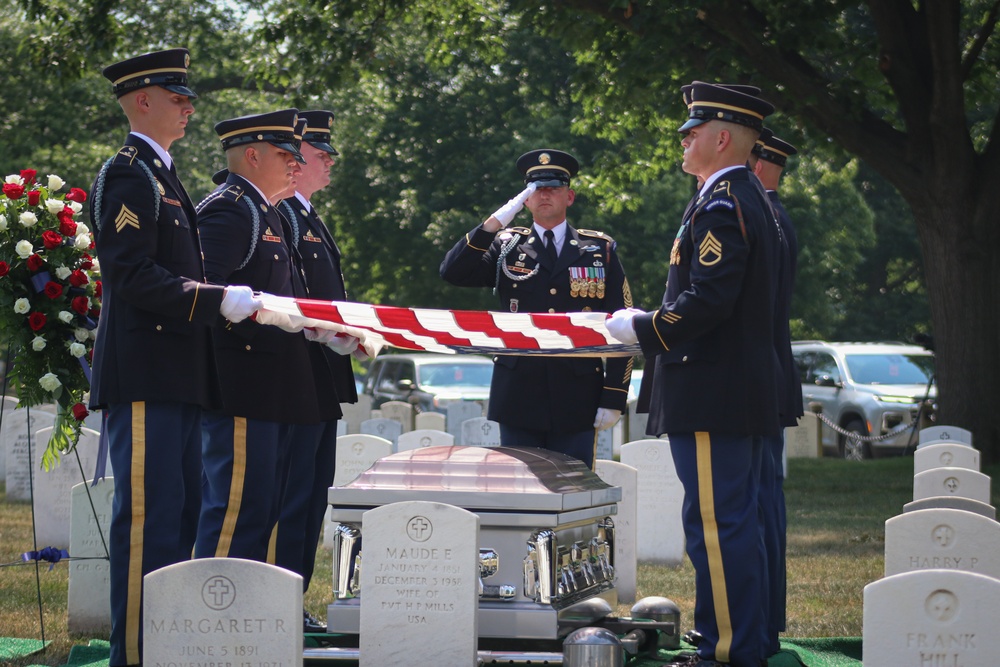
[671, 318]
[468, 242]
[194, 302]
[657, 330]
[615, 389]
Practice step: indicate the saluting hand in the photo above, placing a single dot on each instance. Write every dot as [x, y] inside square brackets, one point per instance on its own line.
[506, 213]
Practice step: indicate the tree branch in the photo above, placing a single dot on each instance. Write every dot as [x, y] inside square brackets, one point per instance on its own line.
[983, 36]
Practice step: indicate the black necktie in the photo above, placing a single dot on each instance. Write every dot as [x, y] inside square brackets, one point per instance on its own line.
[550, 245]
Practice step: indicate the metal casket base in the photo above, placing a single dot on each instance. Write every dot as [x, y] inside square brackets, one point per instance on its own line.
[546, 535]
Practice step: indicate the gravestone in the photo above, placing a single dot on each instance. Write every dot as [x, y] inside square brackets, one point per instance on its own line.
[9, 405]
[605, 444]
[636, 428]
[802, 440]
[54, 488]
[88, 605]
[949, 481]
[942, 539]
[944, 455]
[354, 455]
[659, 529]
[458, 413]
[14, 434]
[421, 586]
[341, 427]
[954, 503]
[480, 432]
[388, 429]
[430, 421]
[222, 612]
[626, 563]
[944, 434]
[931, 618]
[399, 411]
[355, 413]
[424, 438]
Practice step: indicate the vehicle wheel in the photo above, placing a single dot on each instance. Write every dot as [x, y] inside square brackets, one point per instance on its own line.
[854, 449]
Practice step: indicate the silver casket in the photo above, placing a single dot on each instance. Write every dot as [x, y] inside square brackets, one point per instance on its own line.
[546, 557]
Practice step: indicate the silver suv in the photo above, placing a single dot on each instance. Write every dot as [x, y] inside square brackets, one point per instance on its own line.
[866, 388]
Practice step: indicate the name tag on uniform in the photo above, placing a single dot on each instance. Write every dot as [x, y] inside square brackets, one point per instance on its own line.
[172, 202]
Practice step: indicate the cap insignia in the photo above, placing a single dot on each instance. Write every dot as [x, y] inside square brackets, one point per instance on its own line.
[187, 61]
[544, 158]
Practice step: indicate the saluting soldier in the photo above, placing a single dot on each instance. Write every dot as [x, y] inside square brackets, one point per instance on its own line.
[312, 463]
[153, 365]
[262, 369]
[556, 403]
[715, 373]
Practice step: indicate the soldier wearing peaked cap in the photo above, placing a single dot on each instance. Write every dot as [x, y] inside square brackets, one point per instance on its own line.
[557, 403]
[311, 460]
[710, 347]
[153, 363]
[261, 369]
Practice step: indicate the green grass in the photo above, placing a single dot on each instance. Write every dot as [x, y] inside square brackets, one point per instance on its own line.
[836, 531]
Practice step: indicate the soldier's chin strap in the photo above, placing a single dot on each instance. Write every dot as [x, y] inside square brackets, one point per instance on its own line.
[502, 263]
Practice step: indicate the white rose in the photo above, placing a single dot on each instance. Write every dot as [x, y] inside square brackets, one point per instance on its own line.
[97, 266]
[62, 273]
[22, 306]
[82, 228]
[76, 206]
[82, 241]
[38, 344]
[13, 178]
[81, 334]
[65, 316]
[77, 349]
[54, 206]
[49, 382]
[3, 223]
[55, 183]
[24, 249]
[28, 219]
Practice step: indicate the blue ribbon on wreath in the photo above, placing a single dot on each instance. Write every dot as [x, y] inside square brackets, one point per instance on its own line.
[52, 555]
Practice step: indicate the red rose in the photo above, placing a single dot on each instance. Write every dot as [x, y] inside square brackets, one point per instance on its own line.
[77, 195]
[4, 268]
[80, 412]
[80, 304]
[98, 287]
[28, 176]
[13, 190]
[53, 290]
[67, 227]
[86, 264]
[51, 239]
[78, 278]
[34, 197]
[34, 262]
[36, 321]
[95, 312]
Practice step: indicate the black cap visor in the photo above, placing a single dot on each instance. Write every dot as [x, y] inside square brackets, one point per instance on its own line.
[180, 90]
[323, 146]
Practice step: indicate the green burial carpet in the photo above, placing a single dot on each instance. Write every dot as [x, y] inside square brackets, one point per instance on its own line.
[11, 647]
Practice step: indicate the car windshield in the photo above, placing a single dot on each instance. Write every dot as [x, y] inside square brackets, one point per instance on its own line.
[891, 368]
[455, 375]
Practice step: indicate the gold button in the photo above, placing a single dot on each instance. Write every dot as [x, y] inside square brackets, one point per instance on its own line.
[514, 285]
[685, 358]
[552, 291]
[159, 327]
[276, 257]
[177, 222]
[315, 255]
[552, 310]
[248, 348]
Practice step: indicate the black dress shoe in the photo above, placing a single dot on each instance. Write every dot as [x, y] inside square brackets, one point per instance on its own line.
[312, 625]
[693, 637]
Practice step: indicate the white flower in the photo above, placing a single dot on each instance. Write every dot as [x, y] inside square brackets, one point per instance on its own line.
[76, 206]
[49, 382]
[55, 183]
[3, 223]
[28, 219]
[81, 334]
[81, 242]
[77, 349]
[14, 178]
[62, 273]
[97, 266]
[54, 206]
[82, 229]
[65, 316]
[38, 344]
[22, 306]
[24, 249]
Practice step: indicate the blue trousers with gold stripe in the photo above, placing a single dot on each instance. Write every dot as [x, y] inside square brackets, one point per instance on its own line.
[245, 469]
[721, 474]
[582, 445]
[156, 457]
[311, 466]
[772, 506]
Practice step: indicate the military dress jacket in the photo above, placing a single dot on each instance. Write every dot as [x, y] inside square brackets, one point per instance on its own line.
[153, 341]
[554, 394]
[262, 369]
[320, 259]
[711, 342]
[790, 406]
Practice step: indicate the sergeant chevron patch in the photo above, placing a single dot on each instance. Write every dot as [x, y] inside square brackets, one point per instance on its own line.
[126, 217]
[710, 250]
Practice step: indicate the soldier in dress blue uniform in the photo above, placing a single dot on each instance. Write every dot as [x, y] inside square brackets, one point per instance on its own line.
[768, 161]
[556, 403]
[262, 369]
[312, 462]
[153, 365]
[715, 374]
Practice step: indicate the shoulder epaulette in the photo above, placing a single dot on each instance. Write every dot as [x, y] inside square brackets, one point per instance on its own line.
[595, 234]
[720, 197]
[235, 193]
[126, 155]
[525, 231]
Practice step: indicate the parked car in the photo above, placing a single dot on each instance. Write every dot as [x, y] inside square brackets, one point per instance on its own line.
[429, 381]
[869, 389]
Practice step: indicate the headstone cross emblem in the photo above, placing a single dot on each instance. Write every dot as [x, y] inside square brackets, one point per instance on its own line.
[218, 592]
[419, 529]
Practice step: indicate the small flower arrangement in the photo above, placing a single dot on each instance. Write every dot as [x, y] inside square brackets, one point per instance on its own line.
[50, 300]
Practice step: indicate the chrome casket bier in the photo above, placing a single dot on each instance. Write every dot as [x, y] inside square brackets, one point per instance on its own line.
[546, 534]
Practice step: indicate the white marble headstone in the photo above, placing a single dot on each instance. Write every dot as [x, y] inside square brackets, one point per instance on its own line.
[388, 429]
[88, 606]
[932, 618]
[424, 438]
[949, 481]
[222, 612]
[399, 411]
[954, 503]
[606, 443]
[14, 434]
[430, 421]
[457, 413]
[944, 434]
[943, 455]
[660, 530]
[942, 539]
[636, 427]
[53, 488]
[802, 440]
[626, 563]
[480, 432]
[355, 413]
[421, 585]
[9, 405]
[354, 455]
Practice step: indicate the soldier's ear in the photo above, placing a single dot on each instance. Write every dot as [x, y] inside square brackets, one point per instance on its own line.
[251, 155]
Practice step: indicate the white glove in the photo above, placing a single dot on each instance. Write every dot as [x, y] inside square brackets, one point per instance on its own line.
[343, 344]
[322, 336]
[620, 325]
[606, 418]
[238, 303]
[506, 213]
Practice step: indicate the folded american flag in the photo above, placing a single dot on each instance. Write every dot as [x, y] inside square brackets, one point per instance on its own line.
[450, 331]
